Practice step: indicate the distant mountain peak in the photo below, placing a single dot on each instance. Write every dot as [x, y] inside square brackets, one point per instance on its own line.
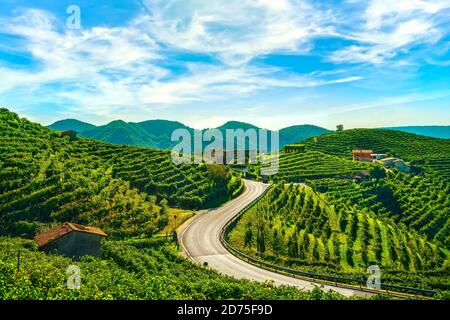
[118, 121]
[72, 124]
[233, 124]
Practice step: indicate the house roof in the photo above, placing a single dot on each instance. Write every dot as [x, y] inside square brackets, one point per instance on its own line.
[388, 159]
[51, 235]
[362, 151]
[364, 173]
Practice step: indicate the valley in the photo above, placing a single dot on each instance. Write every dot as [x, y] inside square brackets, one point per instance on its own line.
[314, 218]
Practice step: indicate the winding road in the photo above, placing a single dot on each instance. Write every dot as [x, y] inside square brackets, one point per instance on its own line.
[200, 240]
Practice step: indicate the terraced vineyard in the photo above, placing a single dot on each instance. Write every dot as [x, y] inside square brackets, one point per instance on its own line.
[299, 166]
[420, 203]
[431, 153]
[297, 227]
[45, 178]
[152, 171]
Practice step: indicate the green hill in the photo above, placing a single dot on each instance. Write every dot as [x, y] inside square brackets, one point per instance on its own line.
[233, 125]
[442, 132]
[298, 227]
[336, 226]
[72, 124]
[120, 132]
[431, 154]
[299, 133]
[299, 166]
[46, 178]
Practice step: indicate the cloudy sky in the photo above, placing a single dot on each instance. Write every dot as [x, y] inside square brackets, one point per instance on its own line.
[272, 63]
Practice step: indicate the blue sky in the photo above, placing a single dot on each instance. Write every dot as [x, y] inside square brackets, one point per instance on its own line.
[277, 63]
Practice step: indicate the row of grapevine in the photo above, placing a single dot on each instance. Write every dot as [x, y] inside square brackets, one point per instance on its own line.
[419, 202]
[46, 179]
[296, 226]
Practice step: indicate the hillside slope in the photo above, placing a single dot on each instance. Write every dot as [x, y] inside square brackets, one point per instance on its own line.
[46, 178]
[297, 227]
[442, 132]
[431, 154]
[299, 133]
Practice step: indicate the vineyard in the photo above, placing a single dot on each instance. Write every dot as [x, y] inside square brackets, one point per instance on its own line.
[129, 269]
[429, 153]
[420, 203]
[130, 193]
[300, 166]
[298, 227]
[127, 191]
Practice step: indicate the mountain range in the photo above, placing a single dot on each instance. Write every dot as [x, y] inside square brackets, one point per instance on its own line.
[157, 133]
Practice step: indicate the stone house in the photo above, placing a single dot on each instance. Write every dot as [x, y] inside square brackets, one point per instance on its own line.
[71, 240]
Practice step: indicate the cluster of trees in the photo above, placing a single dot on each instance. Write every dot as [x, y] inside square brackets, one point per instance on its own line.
[297, 227]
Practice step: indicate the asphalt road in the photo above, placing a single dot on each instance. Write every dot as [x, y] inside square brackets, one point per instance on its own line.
[200, 240]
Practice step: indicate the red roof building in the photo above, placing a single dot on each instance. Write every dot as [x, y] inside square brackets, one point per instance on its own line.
[362, 155]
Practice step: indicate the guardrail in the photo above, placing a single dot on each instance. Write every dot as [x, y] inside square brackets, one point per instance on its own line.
[350, 283]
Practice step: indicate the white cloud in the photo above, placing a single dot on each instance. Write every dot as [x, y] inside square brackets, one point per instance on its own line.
[382, 12]
[102, 70]
[236, 30]
[394, 27]
[113, 71]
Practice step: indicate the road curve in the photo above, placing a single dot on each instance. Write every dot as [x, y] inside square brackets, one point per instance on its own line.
[200, 240]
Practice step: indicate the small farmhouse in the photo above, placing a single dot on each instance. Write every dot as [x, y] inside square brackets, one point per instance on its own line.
[362, 155]
[388, 162]
[399, 164]
[71, 240]
[358, 177]
[294, 148]
[378, 156]
[69, 133]
[362, 176]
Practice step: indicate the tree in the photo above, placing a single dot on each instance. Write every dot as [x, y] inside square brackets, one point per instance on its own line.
[260, 237]
[293, 246]
[278, 243]
[340, 127]
[163, 213]
[248, 234]
[378, 173]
